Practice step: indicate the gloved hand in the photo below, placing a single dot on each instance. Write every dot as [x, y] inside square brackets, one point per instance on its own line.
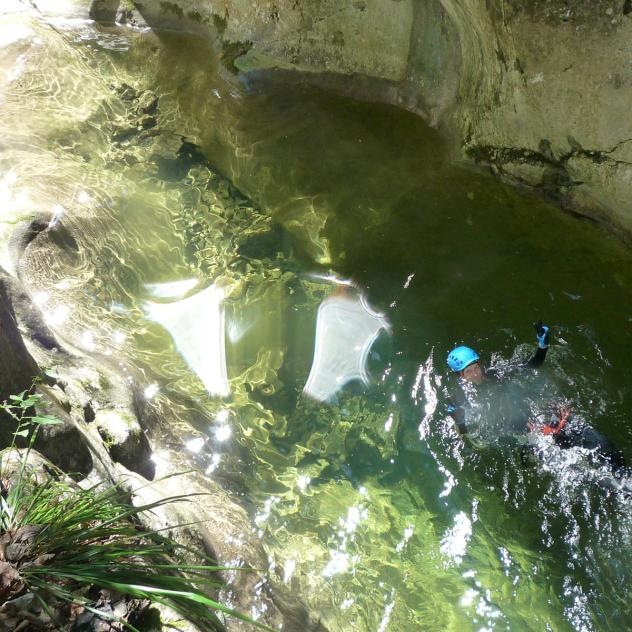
[542, 333]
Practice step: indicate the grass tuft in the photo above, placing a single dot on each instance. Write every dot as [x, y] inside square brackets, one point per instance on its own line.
[67, 553]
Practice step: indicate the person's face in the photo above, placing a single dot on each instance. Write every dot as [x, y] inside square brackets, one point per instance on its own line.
[473, 373]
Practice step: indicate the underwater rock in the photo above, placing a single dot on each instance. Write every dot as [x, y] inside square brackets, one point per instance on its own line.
[160, 617]
[104, 10]
[147, 102]
[93, 386]
[127, 92]
[124, 132]
[260, 244]
[205, 526]
[146, 122]
[28, 315]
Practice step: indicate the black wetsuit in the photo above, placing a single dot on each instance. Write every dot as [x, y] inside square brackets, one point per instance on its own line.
[568, 436]
[457, 403]
[584, 436]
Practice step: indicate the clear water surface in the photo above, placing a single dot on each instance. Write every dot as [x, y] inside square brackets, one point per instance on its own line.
[254, 194]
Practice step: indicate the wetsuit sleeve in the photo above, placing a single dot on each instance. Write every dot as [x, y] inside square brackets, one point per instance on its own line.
[456, 410]
[535, 361]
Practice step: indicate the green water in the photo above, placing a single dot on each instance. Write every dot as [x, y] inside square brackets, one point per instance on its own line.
[371, 508]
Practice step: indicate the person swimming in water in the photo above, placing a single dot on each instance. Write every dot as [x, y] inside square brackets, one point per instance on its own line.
[555, 421]
[466, 362]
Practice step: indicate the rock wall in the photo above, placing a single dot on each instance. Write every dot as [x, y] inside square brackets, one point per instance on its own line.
[17, 367]
[553, 115]
[538, 89]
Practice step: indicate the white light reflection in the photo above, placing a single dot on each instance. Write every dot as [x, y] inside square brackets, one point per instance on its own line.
[41, 298]
[339, 563]
[87, 340]
[468, 597]
[161, 459]
[118, 308]
[119, 337]
[424, 376]
[455, 541]
[264, 514]
[57, 9]
[389, 423]
[224, 432]
[57, 316]
[214, 464]
[340, 560]
[303, 481]
[83, 197]
[222, 415]
[333, 279]
[12, 205]
[481, 598]
[355, 515]
[408, 533]
[9, 179]
[346, 328]
[12, 33]
[58, 212]
[195, 445]
[288, 570]
[388, 609]
[484, 608]
[196, 324]
[450, 481]
[172, 289]
[151, 391]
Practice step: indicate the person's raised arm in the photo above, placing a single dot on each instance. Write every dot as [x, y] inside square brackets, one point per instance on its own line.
[543, 334]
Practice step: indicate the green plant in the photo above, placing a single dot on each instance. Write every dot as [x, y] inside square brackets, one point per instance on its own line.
[60, 544]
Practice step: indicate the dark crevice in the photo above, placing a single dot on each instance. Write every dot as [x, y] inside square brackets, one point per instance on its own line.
[619, 144]
[544, 157]
[555, 183]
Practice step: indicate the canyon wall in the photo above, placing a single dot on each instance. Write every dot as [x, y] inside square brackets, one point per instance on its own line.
[539, 90]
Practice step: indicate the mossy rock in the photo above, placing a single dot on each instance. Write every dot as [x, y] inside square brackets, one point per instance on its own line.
[125, 441]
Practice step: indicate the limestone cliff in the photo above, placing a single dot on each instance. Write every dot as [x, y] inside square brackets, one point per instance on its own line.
[540, 90]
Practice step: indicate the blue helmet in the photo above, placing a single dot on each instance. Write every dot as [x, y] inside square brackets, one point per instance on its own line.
[461, 357]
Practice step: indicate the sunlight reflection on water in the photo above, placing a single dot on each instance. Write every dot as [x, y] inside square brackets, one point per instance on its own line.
[342, 496]
[196, 325]
[346, 329]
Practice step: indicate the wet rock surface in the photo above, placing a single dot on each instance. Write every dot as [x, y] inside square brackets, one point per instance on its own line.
[17, 367]
[111, 430]
[502, 78]
[125, 441]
